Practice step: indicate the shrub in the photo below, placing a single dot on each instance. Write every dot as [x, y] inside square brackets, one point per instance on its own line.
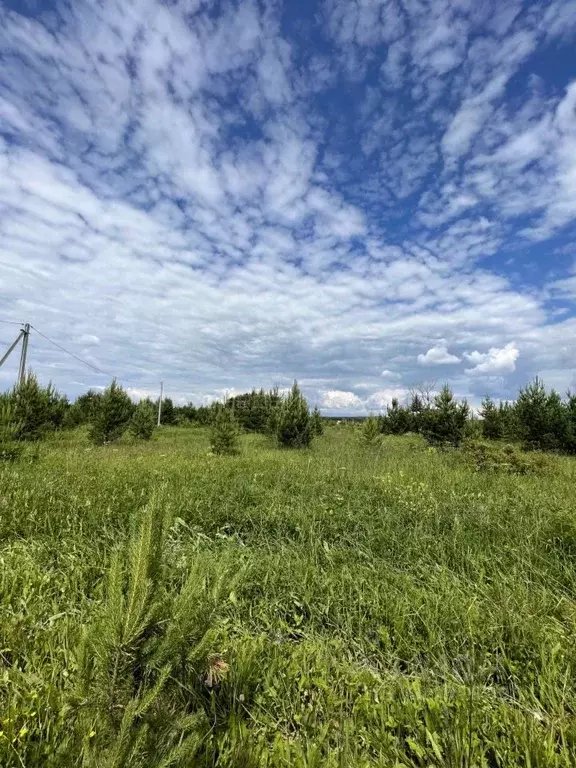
[224, 433]
[112, 416]
[371, 433]
[485, 456]
[10, 448]
[294, 425]
[317, 424]
[143, 420]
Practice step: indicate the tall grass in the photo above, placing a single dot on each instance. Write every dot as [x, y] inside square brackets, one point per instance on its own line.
[338, 606]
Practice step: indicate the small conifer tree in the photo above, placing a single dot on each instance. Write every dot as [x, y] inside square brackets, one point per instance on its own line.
[143, 420]
[371, 433]
[317, 424]
[445, 424]
[294, 425]
[112, 416]
[492, 427]
[224, 433]
[33, 408]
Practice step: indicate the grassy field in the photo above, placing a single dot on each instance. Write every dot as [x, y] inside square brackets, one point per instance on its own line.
[342, 606]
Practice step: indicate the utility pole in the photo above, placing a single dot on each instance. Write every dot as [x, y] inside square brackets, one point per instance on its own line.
[24, 352]
[160, 402]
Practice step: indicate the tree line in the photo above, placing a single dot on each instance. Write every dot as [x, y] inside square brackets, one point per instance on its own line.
[538, 418]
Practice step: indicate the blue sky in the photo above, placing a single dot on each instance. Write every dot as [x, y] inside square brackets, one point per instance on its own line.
[361, 194]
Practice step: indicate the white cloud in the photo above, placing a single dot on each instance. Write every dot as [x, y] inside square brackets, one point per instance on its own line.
[496, 360]
[339, 400]
[437, 356]
[386, 374]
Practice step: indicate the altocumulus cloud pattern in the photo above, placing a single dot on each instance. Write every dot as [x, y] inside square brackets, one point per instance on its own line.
[359, 193]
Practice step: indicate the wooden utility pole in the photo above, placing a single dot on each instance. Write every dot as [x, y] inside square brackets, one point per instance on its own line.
[160, 403]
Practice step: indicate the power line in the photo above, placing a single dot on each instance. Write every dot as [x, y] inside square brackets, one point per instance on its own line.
[11, 322]
[81, 360]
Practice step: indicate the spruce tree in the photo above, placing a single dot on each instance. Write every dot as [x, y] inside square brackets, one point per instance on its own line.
[294, 425]
[224, 433]
[112, 416]
[143, 420]
[317, 423]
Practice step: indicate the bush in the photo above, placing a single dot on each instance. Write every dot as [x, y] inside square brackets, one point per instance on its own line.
[317, 424]
[486, 456]
[224, 433]
[112, 416]
[294, 425]
[10, 448]
[143, 420]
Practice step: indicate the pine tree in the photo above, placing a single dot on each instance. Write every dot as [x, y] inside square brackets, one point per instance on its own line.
[33, 408]
[294, 426]
[143, 420]
[224, 433]
[371, 431]
[168, 414]
[542, 417]
[492, 426]
[112, 416]
[317, 423]
[446, 422]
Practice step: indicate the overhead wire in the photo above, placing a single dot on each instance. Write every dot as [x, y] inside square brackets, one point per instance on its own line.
[81, 360]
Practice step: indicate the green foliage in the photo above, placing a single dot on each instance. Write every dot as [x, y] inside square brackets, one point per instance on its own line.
[542, 417]
[398, 419]
[487, 456]
[371, 432]
[10, 448]
[112, 416]
[492, 421]
[316, 421]
[294, 425]
[37, 410]
[73, 417]
[445, 423]
[253, 409]
[87, 405]
[224, 433]
[143, 420]
[168, 415]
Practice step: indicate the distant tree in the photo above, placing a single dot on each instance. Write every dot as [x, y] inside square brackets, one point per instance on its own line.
[168, 413]
[445, 423]
[317, 423]
[110, 420]
[398, 420]
[224, 433]
[542, 417]
[293, 425]
[569, 437]
[143, 420]
[492, 424]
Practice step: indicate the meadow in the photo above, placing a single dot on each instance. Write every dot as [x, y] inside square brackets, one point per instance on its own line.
[345, 605]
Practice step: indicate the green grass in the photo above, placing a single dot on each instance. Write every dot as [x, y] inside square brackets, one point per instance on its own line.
[341, 606]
